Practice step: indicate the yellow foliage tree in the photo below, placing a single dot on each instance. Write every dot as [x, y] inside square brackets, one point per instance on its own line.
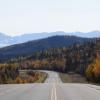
[93, 71]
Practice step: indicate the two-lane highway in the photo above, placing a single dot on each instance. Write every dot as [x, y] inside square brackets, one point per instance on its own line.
[52, 89]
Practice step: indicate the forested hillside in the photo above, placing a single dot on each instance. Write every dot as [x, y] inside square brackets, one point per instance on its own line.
[30, 47]
[74, 58]
[79, 58]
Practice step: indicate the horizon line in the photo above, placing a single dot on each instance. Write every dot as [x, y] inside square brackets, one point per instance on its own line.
[12, 35]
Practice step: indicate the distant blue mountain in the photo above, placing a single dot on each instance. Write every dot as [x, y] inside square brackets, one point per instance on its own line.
[92, 34]
[6, 40]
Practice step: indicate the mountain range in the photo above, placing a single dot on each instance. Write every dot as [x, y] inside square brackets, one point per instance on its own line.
[30, 47]
[6, 40]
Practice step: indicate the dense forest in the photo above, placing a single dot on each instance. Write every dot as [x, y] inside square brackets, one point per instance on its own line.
[79, 58]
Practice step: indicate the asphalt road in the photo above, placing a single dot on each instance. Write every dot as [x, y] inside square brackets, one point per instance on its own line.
[52, 89]
[53, 77]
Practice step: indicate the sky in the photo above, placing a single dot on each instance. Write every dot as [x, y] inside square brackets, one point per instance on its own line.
[35, 16]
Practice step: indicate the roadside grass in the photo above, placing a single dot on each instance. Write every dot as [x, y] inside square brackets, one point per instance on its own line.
[72, 78]
[42, 78]
[75, 78]
[63, 77]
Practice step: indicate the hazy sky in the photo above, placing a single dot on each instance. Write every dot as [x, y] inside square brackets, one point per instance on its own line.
[26, 16]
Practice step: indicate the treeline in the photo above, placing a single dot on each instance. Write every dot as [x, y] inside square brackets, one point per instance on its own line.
[54, 64]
